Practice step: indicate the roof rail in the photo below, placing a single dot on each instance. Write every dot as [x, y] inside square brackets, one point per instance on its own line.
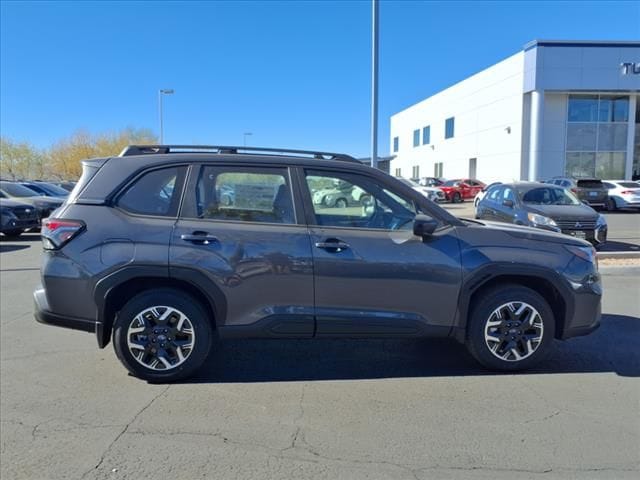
[230, 150]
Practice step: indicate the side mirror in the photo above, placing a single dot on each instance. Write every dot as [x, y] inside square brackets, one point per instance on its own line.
[423, 226]
[508, 203]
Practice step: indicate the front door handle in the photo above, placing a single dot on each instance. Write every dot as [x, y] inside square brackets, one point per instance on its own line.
[202, 238]
[333, 245]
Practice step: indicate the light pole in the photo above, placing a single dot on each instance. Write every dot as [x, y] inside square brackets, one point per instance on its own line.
[161, 92]
[374, 83]
[244, 137]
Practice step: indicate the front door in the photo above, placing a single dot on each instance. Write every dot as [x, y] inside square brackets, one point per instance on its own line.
[372, 275]
[239, 236]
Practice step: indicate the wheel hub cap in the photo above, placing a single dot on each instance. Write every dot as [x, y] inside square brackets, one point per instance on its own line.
[514, 331]
[160, 338]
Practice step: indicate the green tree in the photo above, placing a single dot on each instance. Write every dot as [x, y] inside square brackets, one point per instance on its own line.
[20, 160]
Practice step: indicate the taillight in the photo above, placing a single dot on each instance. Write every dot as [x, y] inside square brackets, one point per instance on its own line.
[626, 192]
[57, 232]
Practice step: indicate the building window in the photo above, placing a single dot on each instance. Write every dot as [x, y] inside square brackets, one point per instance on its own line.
[398, 172]
[449, 126]
[395, 144]
[416, 138]
[415, 172]
[426, 135]
[437, 170]
[596, 143]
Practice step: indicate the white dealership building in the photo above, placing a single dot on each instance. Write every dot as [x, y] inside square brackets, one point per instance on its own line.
[555, 108]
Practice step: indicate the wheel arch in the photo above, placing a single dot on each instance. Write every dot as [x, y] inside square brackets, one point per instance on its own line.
[549, 284]
[116, 290]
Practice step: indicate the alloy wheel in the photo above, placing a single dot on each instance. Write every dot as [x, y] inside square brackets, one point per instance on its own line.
[161, 338]
[514, 331]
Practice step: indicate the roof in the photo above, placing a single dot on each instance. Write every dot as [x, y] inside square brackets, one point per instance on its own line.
[582, 43]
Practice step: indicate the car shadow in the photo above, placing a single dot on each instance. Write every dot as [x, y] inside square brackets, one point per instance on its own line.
[611, 348]
[614, 246]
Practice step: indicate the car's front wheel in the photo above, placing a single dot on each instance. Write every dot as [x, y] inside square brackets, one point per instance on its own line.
[511, 328]
[457, 198]
[162, 335]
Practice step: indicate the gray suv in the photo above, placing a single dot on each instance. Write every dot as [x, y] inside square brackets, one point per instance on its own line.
[145, 254]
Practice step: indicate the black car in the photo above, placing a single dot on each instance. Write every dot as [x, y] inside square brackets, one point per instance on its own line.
[543, 206]
[588, 190]
[46, 189]
[43, 205]
[16, 217]
[146, 256]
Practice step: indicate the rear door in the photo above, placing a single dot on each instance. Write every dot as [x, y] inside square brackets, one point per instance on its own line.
[372, 275]
[240, 238]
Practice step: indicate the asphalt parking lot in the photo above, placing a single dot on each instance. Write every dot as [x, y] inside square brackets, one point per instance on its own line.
[393, 409]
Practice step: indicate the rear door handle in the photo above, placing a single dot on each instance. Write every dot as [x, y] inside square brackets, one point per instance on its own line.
[333, 245]
[202, 238]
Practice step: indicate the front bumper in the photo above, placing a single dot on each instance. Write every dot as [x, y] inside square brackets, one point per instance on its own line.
[19, 224]
[45, 316]
[587, 312]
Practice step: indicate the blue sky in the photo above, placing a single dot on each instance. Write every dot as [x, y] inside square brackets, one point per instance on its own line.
[294, 73]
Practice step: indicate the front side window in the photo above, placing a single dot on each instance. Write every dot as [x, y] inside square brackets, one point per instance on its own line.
[549, 196]
[494, 194]
[416, 138]
[244, 194]
[449, 127]
[354, 201]
[155, 193]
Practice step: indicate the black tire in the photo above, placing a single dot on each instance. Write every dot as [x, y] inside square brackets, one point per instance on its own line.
[611, 205]
[456, 198]
[13, 233]
[176, 299]
[341, 203]
[483, 311]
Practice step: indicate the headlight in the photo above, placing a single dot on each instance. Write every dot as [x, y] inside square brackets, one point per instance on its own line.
[602, 222]
[541, 220]
[585, 253]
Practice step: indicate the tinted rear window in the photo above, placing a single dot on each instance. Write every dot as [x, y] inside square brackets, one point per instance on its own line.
[590, 184]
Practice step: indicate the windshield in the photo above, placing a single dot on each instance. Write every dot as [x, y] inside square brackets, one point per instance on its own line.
[52, 189]
[17, 190]
[411, 183]
[452, 183]
[549, 196]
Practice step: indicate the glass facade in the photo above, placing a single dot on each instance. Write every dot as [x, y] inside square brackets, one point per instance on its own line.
[635, 170]
[426, 135]
[416, 138]
[597, 128]
[449, 127]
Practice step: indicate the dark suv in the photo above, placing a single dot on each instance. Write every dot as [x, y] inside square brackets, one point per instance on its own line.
[145, 253]
[589, 190]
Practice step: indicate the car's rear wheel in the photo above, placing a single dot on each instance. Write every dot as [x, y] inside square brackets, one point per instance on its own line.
[611, 205]
[510, 328]
[457, 198]
[162, 335]
[341, 203]
[13, 233]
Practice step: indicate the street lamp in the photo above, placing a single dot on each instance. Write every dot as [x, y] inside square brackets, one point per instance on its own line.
[245, 135]
[161, 92]
[374, 83]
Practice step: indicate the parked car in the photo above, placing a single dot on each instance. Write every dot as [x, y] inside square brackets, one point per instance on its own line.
[340, 195]
[622, 194]
[589, 190]
[16, 217]
[432, 193]
[431, 181]
[68, 186]
[459, 190]
[161, 276]
[43, 205]
[544, 206]
[480, 195]
[46, 189]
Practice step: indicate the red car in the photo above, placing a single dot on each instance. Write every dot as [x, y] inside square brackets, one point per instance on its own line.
[461, 189]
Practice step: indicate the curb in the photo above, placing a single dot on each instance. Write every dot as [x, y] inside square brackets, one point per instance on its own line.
[621, 255]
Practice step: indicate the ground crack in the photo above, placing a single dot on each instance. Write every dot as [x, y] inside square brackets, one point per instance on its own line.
[123, 431]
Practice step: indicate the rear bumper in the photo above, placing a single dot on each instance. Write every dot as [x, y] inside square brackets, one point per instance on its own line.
[45, 316]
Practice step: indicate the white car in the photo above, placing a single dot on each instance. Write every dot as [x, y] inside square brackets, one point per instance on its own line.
[622, 194]
[480, 195]
[432, 193]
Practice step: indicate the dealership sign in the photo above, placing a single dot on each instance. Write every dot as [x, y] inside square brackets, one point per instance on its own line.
[630, 68]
